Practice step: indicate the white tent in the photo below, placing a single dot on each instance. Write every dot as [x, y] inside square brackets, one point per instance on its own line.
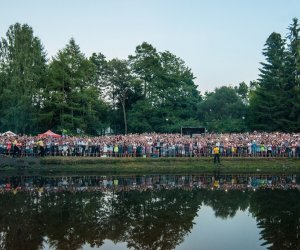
[9, 133]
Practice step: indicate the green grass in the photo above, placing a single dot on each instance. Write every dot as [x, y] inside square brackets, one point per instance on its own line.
[80, 165]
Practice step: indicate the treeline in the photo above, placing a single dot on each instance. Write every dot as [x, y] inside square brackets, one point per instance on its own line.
[149, 91]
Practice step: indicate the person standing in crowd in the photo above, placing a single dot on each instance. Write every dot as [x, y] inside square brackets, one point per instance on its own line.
[41, 145]
[15, 147]
[216, 152]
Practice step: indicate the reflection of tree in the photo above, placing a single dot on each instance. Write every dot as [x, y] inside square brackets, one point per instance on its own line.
[75, 219]
[146, 219]
[21, 224]
[226, 204]
[278, 216]
[158, 220]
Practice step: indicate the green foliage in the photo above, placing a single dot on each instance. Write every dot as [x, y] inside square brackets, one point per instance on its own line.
[22, 70]
[274, 102]
[121, 85]
[170, 96]
[151, 91]
[223, 110]
[267, 103]
[243, 91]
[145, 64]
[293, 74]
[72, 95]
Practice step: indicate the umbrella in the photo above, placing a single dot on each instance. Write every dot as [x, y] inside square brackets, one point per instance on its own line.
[9, 133]
[49, 133]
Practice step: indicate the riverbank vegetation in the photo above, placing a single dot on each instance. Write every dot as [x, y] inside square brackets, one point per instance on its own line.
[76, 165]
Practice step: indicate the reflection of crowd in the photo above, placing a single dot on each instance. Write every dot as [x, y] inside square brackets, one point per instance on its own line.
[156, 145]
[144, 183]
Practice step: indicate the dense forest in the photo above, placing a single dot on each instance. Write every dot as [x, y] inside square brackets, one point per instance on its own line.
[150, 91]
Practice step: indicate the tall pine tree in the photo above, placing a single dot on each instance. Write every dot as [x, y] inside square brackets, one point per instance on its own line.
[23, 70]
[292, 87]
[72, 100]
[268, 101]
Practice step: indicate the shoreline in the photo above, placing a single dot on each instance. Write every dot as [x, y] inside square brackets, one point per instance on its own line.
[92, 165]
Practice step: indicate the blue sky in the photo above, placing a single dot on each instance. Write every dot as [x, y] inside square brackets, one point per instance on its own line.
[220, 40]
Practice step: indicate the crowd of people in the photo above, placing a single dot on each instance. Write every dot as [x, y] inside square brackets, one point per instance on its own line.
[255, 144]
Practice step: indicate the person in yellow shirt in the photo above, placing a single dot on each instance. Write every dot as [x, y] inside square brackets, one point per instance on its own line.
[216, 152]
[40, 144]
[116, 150]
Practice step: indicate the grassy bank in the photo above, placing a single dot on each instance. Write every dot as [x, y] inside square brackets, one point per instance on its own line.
[77, 165]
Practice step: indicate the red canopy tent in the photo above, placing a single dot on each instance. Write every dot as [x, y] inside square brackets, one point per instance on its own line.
[49, 133]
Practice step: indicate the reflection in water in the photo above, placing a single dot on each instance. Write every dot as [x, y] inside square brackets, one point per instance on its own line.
[146, 212]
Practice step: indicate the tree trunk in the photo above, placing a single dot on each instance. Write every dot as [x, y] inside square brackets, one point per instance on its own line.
[124, 114]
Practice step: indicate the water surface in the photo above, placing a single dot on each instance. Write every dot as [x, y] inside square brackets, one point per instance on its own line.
[150, 212]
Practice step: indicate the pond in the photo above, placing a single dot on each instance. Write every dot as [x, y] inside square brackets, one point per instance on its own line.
[205, 211]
